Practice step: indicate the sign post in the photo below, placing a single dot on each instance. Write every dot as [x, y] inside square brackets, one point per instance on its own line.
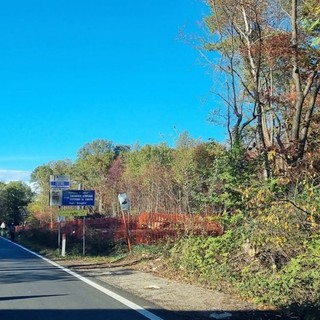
[84, 236]
[124, 204]
[57, 184]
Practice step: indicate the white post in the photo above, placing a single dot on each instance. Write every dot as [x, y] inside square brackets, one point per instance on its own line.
[63, 249]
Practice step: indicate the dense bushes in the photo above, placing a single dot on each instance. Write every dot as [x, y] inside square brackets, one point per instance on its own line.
[272, 257]
[39, 236]
[94, 244]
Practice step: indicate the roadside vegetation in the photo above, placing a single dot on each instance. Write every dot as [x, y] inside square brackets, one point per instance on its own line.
[262, 184]
[44, 242]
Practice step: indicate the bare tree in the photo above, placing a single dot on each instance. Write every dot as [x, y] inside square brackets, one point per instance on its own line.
[259, 41]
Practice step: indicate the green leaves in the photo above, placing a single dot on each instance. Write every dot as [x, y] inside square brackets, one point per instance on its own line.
[92, 164]
[14, 197]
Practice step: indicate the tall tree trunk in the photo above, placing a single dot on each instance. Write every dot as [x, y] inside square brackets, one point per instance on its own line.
[296, 76]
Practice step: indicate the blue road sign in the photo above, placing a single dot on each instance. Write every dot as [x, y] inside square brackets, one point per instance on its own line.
[60, 184]
[78, 197]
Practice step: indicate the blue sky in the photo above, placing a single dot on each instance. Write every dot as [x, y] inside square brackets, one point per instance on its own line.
[73, 71]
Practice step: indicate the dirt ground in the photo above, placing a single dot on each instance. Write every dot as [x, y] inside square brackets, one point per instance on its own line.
[151, 280]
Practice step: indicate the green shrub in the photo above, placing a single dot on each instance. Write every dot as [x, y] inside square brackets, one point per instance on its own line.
[208, 258]
[271, 263]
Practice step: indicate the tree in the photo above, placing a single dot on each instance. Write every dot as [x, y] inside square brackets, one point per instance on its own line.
[40, 178]
[14, 197]
[61, 167]
[91, 167]
[272, 74]
[237, 26]
[146, 177]
[184, 172]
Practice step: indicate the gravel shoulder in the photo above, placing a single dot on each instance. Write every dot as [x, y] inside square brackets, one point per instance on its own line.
[144, 280]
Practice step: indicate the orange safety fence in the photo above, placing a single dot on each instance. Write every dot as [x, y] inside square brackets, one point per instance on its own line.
[145, 228]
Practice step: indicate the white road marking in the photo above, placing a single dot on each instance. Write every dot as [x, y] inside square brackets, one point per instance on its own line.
[108, 292]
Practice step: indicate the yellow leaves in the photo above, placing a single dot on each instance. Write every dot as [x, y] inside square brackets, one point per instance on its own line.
[271, 155]
[270, 219]
[311, 193]
[246, 192]
[280, 241]
[312, 221]
[260, 195]
[286, 226]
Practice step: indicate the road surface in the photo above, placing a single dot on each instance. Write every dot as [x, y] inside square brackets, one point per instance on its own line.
[32, 287]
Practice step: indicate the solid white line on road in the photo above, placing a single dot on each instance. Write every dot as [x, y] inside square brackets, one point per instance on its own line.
[108, 292]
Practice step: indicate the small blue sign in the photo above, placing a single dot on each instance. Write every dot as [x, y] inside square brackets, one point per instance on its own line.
[78, 197]
[60, 184]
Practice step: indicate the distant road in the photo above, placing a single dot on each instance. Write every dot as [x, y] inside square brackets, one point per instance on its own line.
[37, 289]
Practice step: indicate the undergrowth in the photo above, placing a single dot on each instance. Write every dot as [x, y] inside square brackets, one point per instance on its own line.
[271, 258]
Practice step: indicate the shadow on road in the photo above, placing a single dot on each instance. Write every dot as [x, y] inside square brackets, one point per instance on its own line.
[30, 297]
[32, 274]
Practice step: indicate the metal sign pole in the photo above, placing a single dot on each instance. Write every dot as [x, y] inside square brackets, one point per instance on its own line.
[84, 236]
[59, 236]
[124, 204]
[126, 231]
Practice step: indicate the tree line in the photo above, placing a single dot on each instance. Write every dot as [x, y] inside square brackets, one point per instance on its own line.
[157, 178]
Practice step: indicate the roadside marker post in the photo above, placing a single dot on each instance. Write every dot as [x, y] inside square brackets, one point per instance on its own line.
[124, 204]
[63, 247]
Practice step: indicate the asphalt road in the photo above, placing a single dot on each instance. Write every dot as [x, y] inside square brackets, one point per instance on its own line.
[32, 287]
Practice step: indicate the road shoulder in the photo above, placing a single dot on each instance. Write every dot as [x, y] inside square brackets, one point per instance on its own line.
[193, 300]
